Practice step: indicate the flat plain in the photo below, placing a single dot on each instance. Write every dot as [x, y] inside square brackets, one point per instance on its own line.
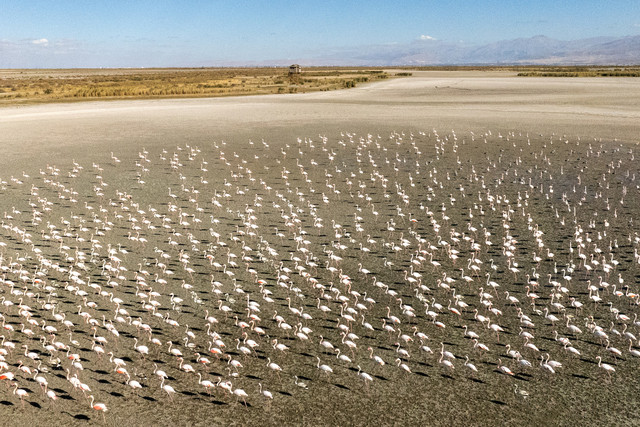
[467, 239]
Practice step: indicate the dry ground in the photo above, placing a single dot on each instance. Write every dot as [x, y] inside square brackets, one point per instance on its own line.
[499, 154]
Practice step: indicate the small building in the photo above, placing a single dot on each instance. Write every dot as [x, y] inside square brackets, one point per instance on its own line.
[295, 69]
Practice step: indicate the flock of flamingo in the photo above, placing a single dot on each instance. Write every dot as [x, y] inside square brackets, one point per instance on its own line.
[248, 273]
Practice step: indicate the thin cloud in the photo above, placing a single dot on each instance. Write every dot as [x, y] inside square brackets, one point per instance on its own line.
[48, 53]
[425, 37]
[40, 42]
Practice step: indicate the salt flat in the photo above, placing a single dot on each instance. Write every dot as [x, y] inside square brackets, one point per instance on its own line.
[413, 252]
[586, 107]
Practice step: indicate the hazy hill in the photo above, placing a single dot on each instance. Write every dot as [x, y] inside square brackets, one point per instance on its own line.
[533, 50]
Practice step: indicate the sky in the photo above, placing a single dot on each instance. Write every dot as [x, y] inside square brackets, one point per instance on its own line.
[163, 33]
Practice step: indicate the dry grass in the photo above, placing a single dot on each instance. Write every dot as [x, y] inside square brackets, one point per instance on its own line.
[38, 86]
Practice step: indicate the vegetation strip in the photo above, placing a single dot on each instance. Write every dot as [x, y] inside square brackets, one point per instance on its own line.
[38, 86]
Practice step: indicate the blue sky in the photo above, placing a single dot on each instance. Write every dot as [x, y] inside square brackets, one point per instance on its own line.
[63, 33]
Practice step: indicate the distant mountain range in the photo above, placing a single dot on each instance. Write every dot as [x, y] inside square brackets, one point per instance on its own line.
[538, 50]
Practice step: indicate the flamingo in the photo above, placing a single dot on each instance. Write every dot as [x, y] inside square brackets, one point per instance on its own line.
[607, 368]
[324, 368]
[167, 388]
[208, 385]
[364, 376]
[522, 393]
[504, 369]
[21, 393]
[98, 406]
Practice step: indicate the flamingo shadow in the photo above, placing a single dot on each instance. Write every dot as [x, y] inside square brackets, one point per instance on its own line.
[81, 417]
[583, 377]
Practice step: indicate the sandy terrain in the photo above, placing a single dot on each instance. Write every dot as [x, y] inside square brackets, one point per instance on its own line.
[580, 107]
[393, 205]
